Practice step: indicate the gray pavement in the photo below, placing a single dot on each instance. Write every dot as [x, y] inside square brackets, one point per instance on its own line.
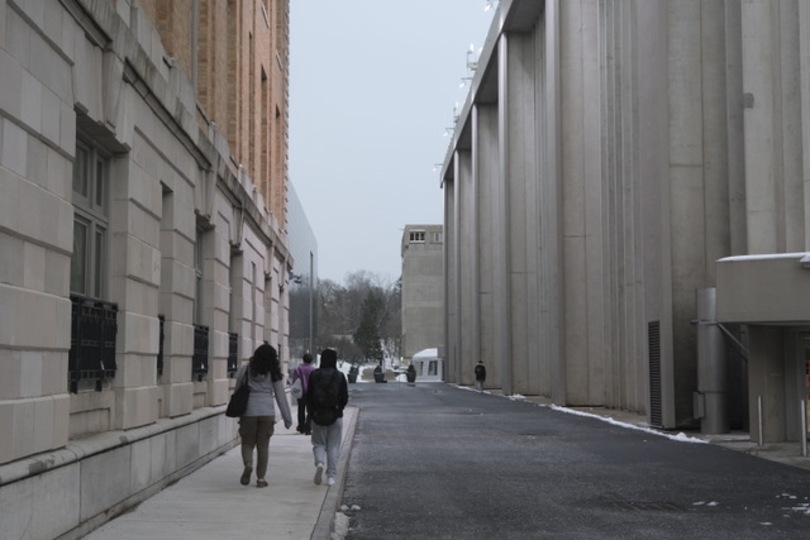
[210, 503]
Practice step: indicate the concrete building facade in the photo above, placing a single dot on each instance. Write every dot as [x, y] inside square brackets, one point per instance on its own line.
[622, 175]
[422, 250]
[143, 243]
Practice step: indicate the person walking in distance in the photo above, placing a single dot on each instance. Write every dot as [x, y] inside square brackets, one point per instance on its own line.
[303, 372]
[327, 396]
[480, 375]
[256, 425]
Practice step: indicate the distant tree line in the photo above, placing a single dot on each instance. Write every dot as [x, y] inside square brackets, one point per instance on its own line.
[361, 319]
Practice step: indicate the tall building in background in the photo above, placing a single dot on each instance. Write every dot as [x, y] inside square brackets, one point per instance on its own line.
[303, 282]
[143, 243]
[626, 211]
[422, 289]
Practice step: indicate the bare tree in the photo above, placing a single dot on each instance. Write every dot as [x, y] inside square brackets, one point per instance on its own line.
[341, 310]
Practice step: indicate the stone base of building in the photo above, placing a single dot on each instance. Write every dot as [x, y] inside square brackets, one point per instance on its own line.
[69, 492]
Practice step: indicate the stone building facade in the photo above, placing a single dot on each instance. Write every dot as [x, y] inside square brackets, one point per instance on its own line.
[422, 252]
[625, 177]
[143, 243]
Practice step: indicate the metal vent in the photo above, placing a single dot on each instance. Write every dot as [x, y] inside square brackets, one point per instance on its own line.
[654, 339]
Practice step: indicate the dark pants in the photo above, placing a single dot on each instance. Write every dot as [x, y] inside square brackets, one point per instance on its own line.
[256, 432]
[304, 425]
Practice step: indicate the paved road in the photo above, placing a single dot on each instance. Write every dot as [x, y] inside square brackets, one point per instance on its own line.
[435, 461]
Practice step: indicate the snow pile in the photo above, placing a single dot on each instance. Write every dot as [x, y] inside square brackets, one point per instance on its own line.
[681, 437]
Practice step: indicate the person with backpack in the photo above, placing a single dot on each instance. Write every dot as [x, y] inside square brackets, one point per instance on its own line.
[327, 396]
[480, 375]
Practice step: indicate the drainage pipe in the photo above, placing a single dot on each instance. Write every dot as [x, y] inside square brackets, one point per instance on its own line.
[712, 371]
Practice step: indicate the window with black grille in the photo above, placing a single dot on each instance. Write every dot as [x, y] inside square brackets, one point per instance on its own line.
[92, 341]
[94, 326]
[161, 337]
[233, 352]
[199, 362]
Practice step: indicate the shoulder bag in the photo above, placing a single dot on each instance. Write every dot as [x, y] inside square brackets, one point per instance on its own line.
[297, 389]
[237, 405]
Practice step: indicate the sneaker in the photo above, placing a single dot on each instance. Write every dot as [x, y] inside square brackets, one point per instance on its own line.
[245, 480]
[318, 474]
[330, 481]
[261, 483]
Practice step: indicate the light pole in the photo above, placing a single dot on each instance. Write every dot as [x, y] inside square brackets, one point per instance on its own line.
[311, 301]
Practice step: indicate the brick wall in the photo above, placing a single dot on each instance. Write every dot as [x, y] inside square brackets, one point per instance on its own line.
[242, 54]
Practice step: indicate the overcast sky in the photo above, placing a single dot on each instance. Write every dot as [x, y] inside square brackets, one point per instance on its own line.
[373, 84]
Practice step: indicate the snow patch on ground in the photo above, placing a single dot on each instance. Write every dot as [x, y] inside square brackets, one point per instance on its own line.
[680, 437]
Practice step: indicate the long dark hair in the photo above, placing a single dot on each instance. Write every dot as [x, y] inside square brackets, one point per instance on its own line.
[264, 361]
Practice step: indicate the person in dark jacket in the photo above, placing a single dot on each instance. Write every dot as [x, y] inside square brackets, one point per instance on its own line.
[327, 396]
[480, 375]
[303, 372]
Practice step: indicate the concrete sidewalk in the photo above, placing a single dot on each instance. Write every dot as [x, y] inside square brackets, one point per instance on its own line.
[210, 503]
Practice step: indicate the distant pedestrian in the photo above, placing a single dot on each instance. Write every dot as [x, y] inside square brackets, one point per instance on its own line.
[327, 396]
[303, 372]
[480, 375]
[256, 426]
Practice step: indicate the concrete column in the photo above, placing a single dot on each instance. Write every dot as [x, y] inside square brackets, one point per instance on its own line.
[550, 121]
[735, 131]
[804, 74]
[501, 235]
[582, 200]
[522, 176]
[766, 380]
[450, 279]
[760, 58]
[467, 261]
[456, 285]
[485, 150]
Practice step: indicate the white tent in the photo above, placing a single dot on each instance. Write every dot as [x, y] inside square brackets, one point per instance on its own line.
[428, 364]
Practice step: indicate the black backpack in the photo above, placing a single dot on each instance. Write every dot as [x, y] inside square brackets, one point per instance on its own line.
[325, 398]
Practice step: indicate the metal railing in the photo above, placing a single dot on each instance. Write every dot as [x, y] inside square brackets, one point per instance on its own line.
[233, 352]
[199, 362]
[93, 330]
[161, 338]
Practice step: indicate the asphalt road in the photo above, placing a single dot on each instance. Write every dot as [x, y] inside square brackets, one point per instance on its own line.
[435, 461]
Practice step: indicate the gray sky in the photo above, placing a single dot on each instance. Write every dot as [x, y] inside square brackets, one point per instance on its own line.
[373, 84]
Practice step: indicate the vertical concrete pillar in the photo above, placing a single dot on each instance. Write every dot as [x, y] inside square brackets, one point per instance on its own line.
[520, 184]
[581, 194]
[501, 234]
[760, 59]
[456, 261]
[766, 380]
[804, 84]
[551, 122]
[485, 161]
[467, 261]
[451, 279]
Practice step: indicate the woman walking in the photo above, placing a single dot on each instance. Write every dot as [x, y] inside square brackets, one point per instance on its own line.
[256, 426]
